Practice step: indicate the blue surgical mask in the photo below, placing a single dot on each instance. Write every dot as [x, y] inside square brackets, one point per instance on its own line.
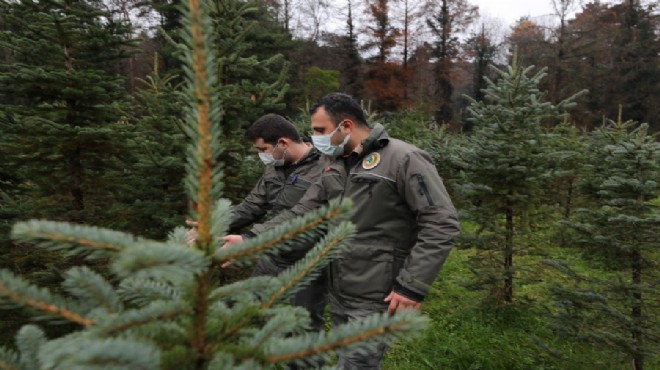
[323, 144]
[268, 159]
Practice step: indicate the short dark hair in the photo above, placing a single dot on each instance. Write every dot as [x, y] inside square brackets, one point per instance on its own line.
[340, 106]
[271, 127]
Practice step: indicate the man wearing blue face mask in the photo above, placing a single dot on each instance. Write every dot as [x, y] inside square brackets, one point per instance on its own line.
[291, 167]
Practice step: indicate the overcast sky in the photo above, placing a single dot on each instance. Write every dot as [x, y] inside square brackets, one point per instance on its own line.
[510, 11]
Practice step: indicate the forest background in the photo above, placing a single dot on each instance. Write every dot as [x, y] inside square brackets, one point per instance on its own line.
[90, 132]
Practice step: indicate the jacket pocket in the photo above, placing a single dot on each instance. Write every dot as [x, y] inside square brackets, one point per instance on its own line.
[364, 272]
[292, 192]
[424, 190]
[366, 182]
[273, 188]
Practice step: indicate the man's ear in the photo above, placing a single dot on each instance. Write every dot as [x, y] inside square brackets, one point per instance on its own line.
[348, 126]
[283, 143]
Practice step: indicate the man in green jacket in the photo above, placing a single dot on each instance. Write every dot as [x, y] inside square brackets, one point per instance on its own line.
[406, 223]
[291, 167]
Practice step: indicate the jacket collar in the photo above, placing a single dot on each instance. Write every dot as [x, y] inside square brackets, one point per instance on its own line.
[312, 155]
[377, 139]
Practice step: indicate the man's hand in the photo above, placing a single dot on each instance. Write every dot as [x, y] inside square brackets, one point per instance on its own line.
[191, 234]
[229, 241]
[399, 302]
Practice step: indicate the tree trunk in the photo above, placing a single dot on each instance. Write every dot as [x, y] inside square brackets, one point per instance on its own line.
[569, 199]
[508, 255]
[76, 179]
[638, 340]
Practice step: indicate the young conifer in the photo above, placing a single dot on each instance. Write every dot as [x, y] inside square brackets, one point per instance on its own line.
[157, 142]
[161, 306]
[506, 170]
[62, 111]
[61, 104]
[619, 232]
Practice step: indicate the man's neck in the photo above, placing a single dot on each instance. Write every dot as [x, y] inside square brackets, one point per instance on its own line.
[298, 151]
[357, 137]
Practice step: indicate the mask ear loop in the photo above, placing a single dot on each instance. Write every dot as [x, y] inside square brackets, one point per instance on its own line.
[346, 136]
[277, 145]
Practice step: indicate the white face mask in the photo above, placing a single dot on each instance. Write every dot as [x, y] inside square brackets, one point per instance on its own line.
[268, 159]
[324, 145]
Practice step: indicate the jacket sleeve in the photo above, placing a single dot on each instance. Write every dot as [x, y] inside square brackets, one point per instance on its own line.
[314, 197]
[437, 224]
[251, 209]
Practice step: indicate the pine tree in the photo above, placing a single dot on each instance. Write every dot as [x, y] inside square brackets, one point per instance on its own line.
[446, 20]
[616, 311]
[635, 52]
[62, 103]
[160, 308]
[156, 149]
[506, 170]
[61, 110]
[353, 60]
[253, 72]
[252, 84]
[568, 157]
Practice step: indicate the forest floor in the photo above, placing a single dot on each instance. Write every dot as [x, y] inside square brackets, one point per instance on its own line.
[467, 331]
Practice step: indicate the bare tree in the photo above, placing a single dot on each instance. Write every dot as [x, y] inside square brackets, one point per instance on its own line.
[448, 19]
[309, 17]
[562, 9]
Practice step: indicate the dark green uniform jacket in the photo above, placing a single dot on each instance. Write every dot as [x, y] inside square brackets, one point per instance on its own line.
[406, 223]
[278, 189]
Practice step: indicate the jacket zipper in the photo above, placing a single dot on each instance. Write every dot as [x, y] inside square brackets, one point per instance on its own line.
[423, 190]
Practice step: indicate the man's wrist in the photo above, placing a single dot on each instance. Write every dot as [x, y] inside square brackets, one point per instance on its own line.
[249, 235]
[401, 290]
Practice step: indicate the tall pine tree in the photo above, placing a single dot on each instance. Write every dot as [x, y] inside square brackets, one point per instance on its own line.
[505, 173]
[153, 185]
[617, 311]
[62, 101]
[252, 83]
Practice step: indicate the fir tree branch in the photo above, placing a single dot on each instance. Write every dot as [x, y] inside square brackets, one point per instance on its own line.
[7, 366]
[284, 233]
[282, 322]
[379, 326]
[307, 222]
[344, 342]
[92, 288]
[9, 360]
[160, 261]
[335, 237]
[144, 291]
[132, 324]
[63, 235]
[254, 286]
[28, 340]
[110, 353]
[44, 306]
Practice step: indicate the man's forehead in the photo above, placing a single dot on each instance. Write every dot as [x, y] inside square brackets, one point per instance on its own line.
[321, 119]
[260, 143]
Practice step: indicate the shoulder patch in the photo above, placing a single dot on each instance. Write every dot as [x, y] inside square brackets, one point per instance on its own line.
[371, 161]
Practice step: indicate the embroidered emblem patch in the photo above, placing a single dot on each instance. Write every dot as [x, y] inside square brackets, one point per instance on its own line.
[371, 161]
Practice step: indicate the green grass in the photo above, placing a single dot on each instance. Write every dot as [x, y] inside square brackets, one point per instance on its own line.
[468, 332]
